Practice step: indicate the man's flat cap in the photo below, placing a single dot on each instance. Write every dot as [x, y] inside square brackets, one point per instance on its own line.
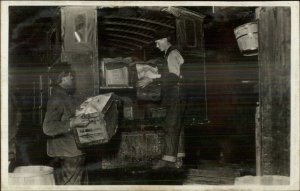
[163, 34]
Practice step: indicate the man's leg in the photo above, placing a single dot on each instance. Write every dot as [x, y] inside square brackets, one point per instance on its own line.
[72, 171]
[181, 150]
[171, 146]
[172, 132]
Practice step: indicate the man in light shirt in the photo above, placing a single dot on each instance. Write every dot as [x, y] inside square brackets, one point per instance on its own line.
[170, 78]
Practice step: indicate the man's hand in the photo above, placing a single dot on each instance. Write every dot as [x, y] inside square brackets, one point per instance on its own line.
[78, 121]
[151, 69]
[144, 82]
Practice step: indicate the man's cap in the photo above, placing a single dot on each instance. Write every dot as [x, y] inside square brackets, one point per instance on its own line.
[61, 67]
[58, 69]
[163, 34]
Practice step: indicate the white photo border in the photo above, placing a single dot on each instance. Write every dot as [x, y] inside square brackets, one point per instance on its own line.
[294, 147]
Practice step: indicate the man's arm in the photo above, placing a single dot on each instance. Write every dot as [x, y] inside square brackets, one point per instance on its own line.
[53, 125]
[175, 60]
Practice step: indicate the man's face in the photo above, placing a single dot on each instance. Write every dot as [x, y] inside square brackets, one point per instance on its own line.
[68, 81]
[161, 44]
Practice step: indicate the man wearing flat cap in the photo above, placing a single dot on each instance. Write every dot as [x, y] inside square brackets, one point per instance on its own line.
[69, 168]
[170, 79]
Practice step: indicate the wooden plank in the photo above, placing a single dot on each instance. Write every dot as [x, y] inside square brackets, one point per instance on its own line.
[129, 38]
[274, 72]
[128, 31]
[217, 173]
[208, 181]
[144, 20]
[258, 141]
[125, 42]
[118, 45]
[129, 25]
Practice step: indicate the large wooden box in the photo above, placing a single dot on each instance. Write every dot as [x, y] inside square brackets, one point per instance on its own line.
[102, 113]
[133, 149]
[100, 129]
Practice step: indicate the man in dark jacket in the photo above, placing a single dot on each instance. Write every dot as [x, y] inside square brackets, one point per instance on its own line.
[58, 123]
[170, 79]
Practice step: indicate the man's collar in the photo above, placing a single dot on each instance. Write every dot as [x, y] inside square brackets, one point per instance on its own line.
[62, 90]
[169, 46]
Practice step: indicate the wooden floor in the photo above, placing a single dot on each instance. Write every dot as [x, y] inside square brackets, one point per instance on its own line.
[214, 173]
[208, 173]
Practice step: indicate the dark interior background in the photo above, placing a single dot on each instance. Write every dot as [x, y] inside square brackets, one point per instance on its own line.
[232, 90]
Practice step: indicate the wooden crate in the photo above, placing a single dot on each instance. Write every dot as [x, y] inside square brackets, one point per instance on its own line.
[133, 149]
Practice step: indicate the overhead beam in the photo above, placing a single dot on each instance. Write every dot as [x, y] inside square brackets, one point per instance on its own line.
[144, 20]
[128, 31]
[129, 25]
[124, 42]
[130, 38]
[121, 46]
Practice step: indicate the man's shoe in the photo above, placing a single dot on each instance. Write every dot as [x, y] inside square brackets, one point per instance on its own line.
[179, 162]
[163, 164]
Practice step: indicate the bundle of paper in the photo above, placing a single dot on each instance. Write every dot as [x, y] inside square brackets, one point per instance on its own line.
[145, 70]
[115, 71]
[102, 113]
[117, 77]
[152, 92]
[95, 104]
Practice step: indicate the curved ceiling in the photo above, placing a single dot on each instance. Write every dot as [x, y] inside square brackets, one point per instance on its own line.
[132, 30]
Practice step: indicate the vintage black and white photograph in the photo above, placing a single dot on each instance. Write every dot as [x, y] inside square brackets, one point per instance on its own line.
[150, 94]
